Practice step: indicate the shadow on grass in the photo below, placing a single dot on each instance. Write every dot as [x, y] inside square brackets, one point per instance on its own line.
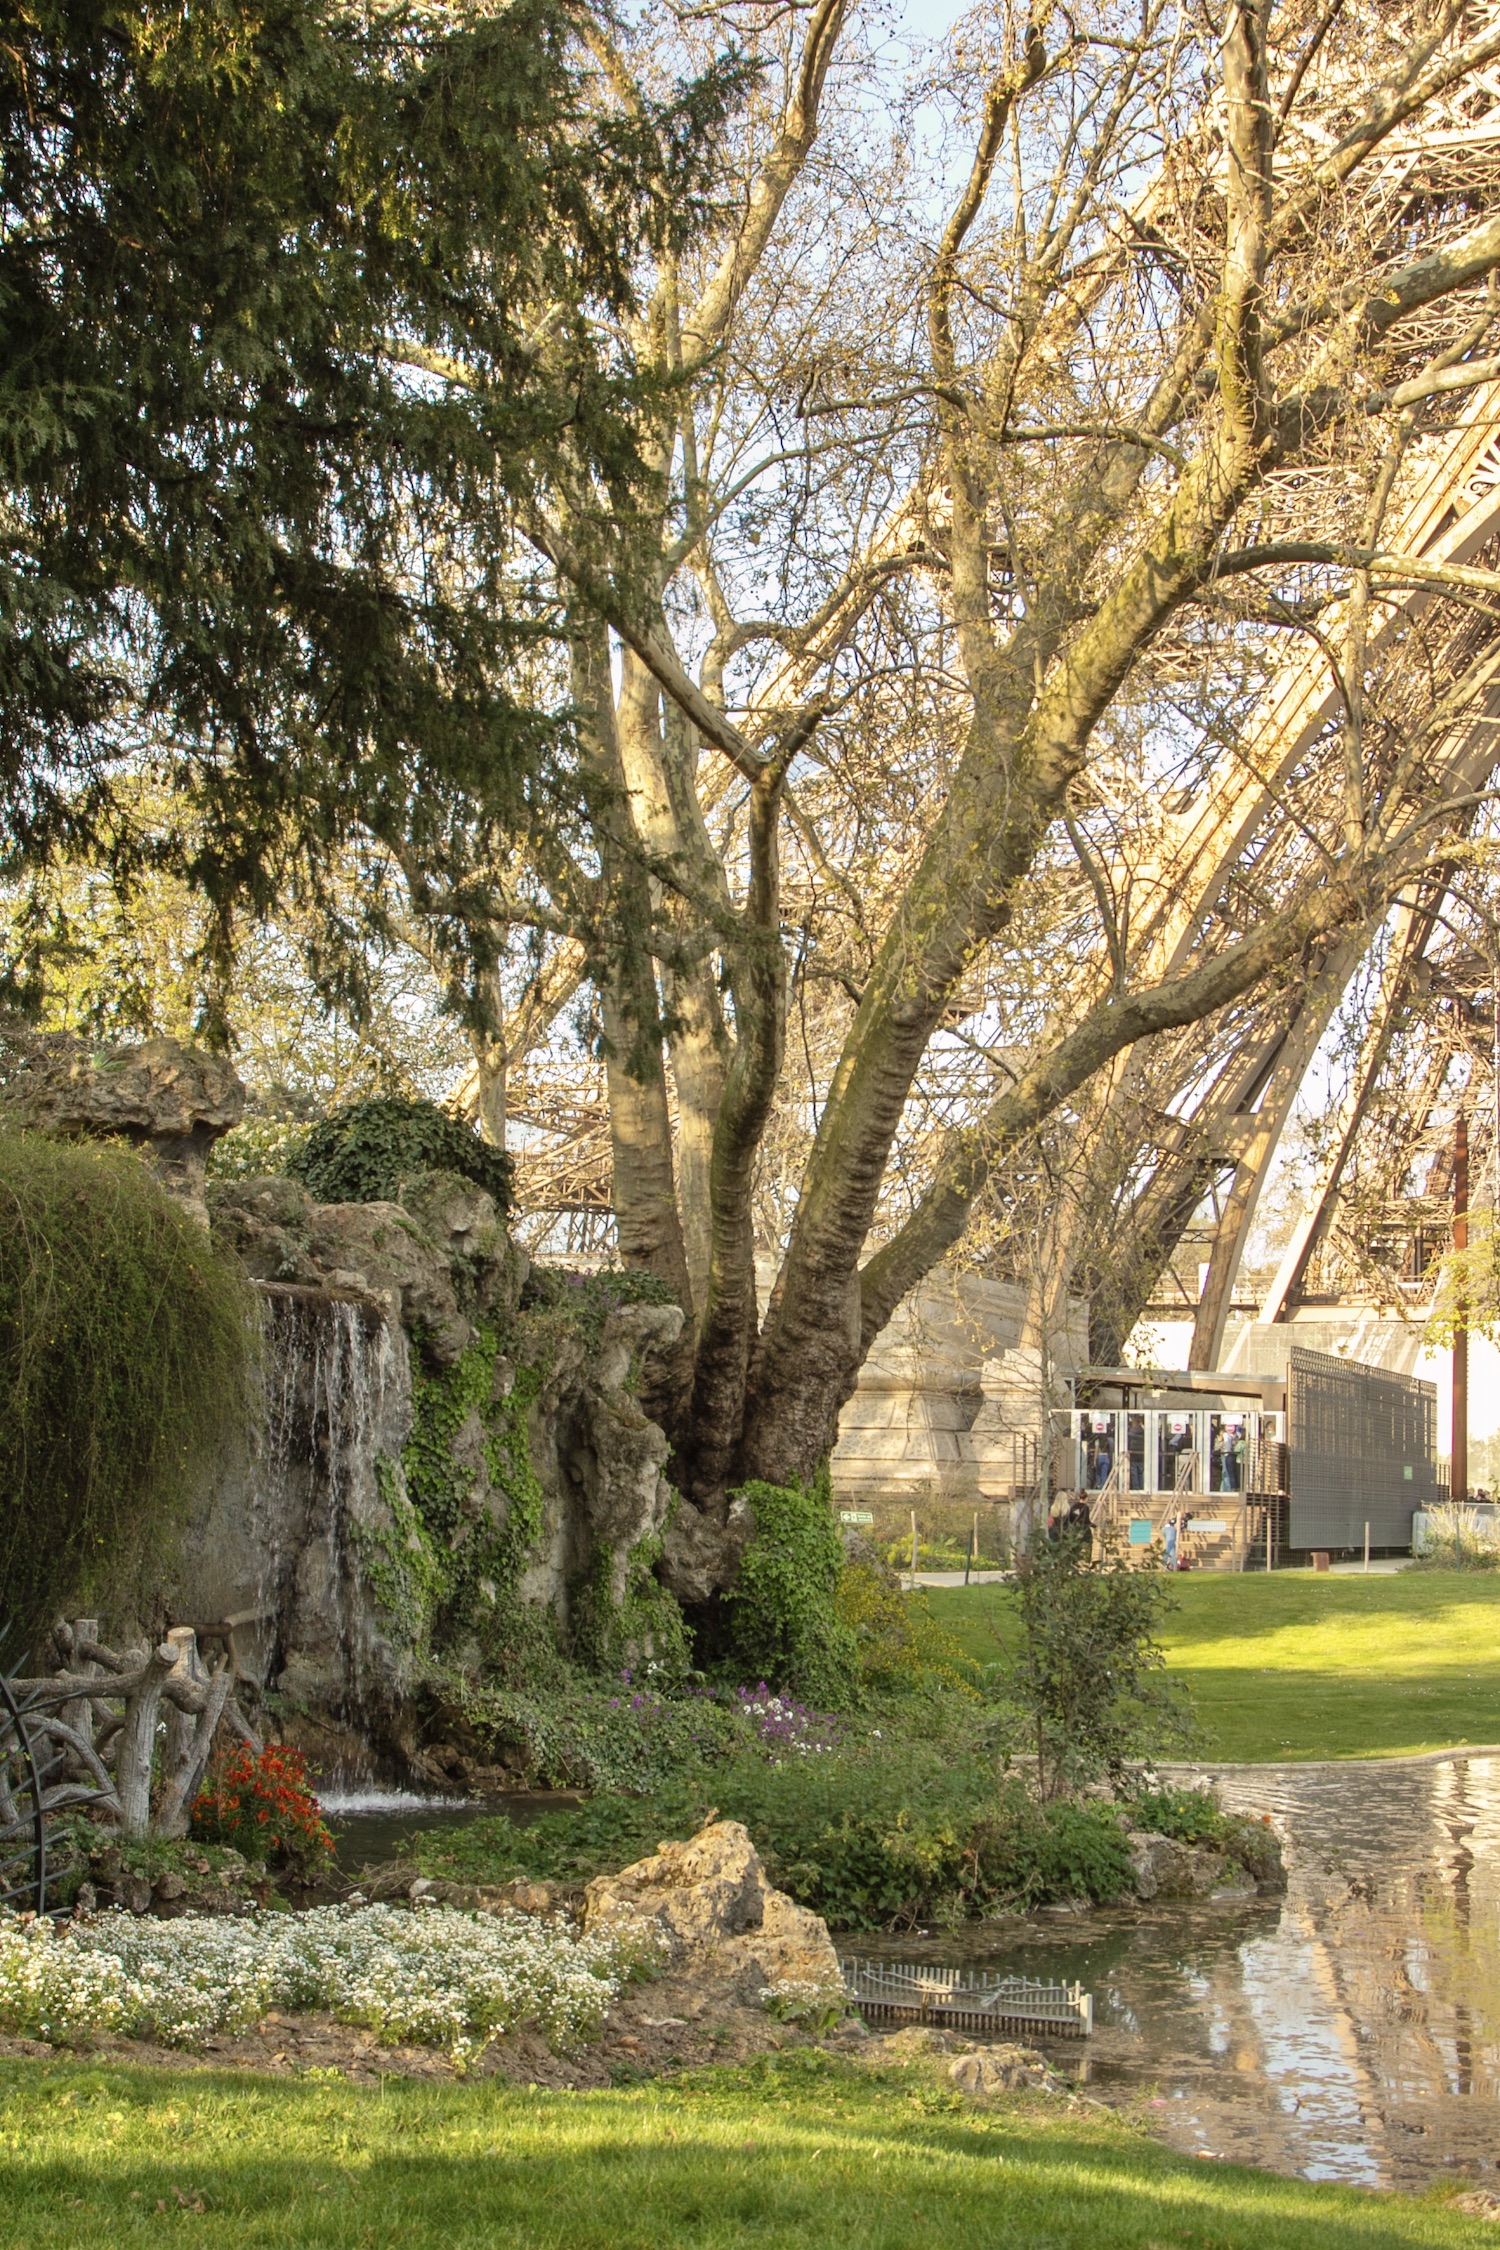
[802, 2152]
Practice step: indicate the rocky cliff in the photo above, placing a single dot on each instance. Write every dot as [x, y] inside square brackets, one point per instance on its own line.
[451, 1479]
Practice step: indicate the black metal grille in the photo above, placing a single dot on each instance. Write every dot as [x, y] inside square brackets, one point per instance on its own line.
[1362, 1446]
[23, 1814]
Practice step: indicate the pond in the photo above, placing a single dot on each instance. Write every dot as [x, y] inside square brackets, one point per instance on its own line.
[371, 1825]
[1348, 2031]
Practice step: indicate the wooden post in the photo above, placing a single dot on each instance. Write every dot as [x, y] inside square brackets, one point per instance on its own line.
[914, 1547]
[1367, 1546]
[1458, 1475]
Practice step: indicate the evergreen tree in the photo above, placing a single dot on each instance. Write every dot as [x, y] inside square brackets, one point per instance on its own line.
[248, 529]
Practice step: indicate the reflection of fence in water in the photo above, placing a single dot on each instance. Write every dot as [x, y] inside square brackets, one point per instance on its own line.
[966, 1999]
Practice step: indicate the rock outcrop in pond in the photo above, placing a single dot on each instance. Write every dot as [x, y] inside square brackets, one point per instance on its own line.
[710, 1900]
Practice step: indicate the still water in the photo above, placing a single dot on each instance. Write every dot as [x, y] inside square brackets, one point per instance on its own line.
[370, 1825]
[1348, 2031]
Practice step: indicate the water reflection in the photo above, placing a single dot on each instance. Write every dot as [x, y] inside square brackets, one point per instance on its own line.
[1349, 2031]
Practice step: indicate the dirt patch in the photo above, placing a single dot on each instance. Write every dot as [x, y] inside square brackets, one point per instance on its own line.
[674, 2023]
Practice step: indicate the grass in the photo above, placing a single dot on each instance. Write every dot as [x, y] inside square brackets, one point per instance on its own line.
[798, 2150]
[1305, 1665]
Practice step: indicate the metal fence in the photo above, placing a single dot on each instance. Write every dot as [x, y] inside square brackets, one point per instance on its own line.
[1361, 1446]
[966, 1999]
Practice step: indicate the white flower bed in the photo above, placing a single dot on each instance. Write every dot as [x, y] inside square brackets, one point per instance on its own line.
[432, 1974]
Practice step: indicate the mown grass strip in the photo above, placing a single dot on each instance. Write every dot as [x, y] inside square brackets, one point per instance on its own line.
[796, 2150]
[1304, 1665]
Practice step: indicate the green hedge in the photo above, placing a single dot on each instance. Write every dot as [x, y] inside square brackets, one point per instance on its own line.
[125, 1345]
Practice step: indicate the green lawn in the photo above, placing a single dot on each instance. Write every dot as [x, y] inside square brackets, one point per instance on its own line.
[1304, 1665]
[800, 2151]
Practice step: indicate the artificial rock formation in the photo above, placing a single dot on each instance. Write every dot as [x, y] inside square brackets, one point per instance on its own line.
[366, 1303]
[309, 1558]
[171, 1101]
[711, 1902]
[1162, 1867]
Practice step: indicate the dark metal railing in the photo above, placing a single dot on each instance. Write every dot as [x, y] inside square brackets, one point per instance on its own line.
[23, 1809]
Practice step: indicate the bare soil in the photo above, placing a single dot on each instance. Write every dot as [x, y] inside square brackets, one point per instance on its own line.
[674, 2023]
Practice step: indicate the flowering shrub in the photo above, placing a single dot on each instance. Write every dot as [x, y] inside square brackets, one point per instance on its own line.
[787, 1728]
[430, 1974]
[802, 2000]
[634, 1739]
[263, 1805]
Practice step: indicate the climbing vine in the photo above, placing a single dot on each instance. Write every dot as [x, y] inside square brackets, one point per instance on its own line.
[644, 1634]
[362, 1152]
[447, 1563]
[782, 1609]
[446, 1566]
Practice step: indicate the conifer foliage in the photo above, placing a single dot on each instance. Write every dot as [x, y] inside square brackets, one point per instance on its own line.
[249, 530]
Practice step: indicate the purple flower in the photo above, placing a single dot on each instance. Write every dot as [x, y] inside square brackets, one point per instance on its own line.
[782, 1723]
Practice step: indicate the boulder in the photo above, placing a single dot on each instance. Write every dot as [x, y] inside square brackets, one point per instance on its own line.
[710, 1901]
[1164, 1868]
[379, 1251]
[999, 2070]
[170, 1100]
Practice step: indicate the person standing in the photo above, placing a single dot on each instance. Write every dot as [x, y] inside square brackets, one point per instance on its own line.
[1169, 1541]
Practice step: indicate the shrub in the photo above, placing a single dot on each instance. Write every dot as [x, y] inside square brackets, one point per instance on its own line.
[1060, 1850]
[898, 1642]
[125, 1348]
[580, 1738]
[435, 1975]
[1088, 1673]
[362, 1152]
[868, 1840]
[1458, 1538]
[263, 1805]
[782, 1613]
[1191, 1816]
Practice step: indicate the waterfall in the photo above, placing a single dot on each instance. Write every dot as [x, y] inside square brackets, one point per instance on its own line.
[336, 1389]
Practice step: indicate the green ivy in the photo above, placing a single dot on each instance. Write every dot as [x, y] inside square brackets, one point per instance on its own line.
[442, 1572]
[784, 1625]
[445, 1572]
[584, 1301]
[362, 1152]
[402, 1565]
[643, 1635]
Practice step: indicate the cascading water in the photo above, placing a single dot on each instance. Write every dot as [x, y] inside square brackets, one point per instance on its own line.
[282, 1549]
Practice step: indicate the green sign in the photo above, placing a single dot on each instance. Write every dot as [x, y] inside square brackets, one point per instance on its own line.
[855, 1515]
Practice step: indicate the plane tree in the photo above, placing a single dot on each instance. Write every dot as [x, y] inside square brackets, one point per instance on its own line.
[950, 469]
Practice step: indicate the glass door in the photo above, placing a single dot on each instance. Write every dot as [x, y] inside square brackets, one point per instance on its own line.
[1098, 1450]
[1227, 1448]
[1175, 1451]
[1135, 1450]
